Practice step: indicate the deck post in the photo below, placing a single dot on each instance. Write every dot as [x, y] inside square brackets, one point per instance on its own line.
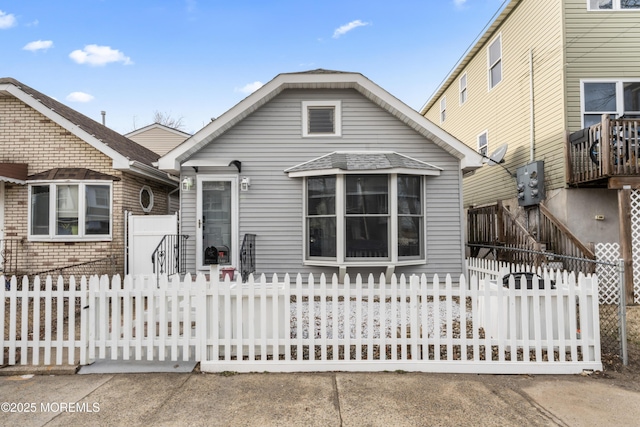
[624, 209]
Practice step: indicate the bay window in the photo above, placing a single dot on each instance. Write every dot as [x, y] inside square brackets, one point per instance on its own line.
[365, 218]
[70, 211]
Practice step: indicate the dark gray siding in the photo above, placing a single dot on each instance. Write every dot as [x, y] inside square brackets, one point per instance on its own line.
[269, 141]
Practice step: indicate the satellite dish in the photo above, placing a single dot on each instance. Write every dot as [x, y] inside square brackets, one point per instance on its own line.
[497, 156]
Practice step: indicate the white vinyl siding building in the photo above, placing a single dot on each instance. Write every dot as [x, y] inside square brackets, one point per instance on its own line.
[268, 142]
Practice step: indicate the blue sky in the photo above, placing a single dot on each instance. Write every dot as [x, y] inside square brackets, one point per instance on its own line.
[195, 59]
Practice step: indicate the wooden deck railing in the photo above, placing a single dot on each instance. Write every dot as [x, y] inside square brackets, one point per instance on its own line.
[607, 149]
[560, 240]
[495, 226]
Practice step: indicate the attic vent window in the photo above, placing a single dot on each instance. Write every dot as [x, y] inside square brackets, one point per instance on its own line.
[321, 118]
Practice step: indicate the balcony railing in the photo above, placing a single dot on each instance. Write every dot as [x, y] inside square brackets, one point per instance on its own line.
[608, 149]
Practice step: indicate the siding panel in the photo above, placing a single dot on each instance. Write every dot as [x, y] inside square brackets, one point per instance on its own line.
[269, 141]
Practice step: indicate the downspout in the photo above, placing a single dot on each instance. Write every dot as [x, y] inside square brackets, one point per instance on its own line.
[532, 131]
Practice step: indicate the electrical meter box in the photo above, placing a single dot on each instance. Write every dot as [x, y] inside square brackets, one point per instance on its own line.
[530, 179]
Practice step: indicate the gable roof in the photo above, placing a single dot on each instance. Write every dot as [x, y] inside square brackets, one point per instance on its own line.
[125, 153]
[360, 161]
[320, 79]
[158, 126]
[481, 40]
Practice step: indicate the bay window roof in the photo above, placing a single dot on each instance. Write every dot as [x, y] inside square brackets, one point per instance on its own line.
[355, 161]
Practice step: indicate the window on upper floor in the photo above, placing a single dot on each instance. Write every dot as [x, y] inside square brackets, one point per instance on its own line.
[463, 88]
[615, 97]
[495, 62]
[70, 211]
[443, 109]
[613, 4]
[483, 143]
[321, 118]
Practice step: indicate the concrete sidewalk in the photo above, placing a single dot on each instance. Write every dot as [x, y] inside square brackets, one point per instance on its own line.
[326, 399]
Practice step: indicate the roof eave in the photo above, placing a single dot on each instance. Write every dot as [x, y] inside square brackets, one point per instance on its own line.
[119, 161]
[172, 160]
[481, 40]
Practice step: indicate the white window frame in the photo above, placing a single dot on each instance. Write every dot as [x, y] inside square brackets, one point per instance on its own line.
[462, 89]
[81, 236]
[337, 117]
[443, 109]
[341, 259]
[616, 6]
[491, 65]
[233, 179]
[486, 145]
[619, 82]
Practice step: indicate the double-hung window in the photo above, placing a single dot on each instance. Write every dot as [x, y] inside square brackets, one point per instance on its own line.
[483, 143]
[614, 4]
[615, 97]
[70, 211]
[443, 109]
[463, 88]
[495, 62]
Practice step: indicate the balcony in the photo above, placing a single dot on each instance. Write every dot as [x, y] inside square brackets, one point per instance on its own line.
[605, 154]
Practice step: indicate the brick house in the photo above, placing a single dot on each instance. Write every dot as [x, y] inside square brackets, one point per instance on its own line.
[66, 183]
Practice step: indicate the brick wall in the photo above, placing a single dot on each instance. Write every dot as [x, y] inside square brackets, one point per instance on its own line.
[28, 137]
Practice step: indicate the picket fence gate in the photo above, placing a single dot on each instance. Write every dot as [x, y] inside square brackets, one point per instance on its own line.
[310, 323]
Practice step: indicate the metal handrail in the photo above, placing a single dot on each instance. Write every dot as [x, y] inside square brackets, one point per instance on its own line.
[169, 257]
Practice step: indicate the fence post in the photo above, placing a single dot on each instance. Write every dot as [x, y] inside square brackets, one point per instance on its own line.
[622, 310]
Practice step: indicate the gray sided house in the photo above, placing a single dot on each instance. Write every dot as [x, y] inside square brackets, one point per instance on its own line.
[332, 174]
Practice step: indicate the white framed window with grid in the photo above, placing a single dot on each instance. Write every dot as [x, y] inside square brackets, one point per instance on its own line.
[494, 58]
[483, 143]
[462, 84]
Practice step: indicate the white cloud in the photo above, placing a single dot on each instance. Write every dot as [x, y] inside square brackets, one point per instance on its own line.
[79, 97]
[459, 3]
[348, 27]
[93, 54]
[7, 20]
[38, 45]
[250, 87]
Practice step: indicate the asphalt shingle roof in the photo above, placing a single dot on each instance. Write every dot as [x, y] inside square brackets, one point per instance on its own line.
[354, 161]
[113, 139]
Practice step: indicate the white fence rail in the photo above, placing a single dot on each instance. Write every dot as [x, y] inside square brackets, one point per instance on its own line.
[315, 324]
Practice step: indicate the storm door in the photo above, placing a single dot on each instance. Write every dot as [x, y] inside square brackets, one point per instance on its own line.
[217, 222]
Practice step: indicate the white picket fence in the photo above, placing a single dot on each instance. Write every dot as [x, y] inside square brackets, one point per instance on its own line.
[309, 324]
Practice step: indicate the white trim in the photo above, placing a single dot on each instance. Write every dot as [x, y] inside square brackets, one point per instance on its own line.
[469, 159]
[235, 248]
[157, 126]
[486, 134]
[619, 84]
[616, 7]
[81, 236]
[340, 215]
[337, 118]
[401, 171]
[150, 191]
[490, 65]
[461, 89]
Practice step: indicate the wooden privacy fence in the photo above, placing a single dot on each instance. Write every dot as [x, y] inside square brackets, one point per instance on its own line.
[310, 324]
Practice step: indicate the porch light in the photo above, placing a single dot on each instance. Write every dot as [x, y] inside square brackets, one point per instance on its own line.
[187, 183]
[245, 183]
